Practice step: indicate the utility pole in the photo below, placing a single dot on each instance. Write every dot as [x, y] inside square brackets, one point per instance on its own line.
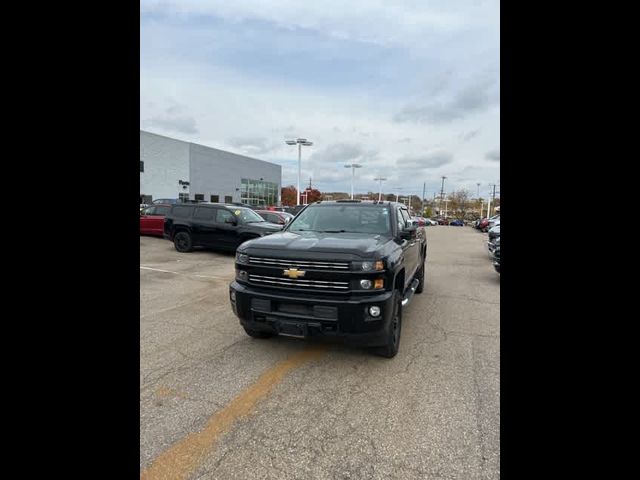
[493, 197]
[424, 192]
[442, 193]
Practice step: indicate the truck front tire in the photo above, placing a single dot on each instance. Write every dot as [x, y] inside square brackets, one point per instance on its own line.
[390, 349]
[420, 277]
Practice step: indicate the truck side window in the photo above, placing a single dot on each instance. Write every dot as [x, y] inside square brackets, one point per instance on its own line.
[406, 217]
[401, 220]
[222, 215]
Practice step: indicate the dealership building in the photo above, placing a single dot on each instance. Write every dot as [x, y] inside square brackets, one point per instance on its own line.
[171, 168]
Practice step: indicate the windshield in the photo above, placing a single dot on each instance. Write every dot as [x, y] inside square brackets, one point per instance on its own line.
[247, 215]
[343, 218]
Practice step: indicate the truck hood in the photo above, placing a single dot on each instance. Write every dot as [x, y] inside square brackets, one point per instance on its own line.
[361, 245]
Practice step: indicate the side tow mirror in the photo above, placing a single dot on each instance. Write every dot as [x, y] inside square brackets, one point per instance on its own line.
[408, 233]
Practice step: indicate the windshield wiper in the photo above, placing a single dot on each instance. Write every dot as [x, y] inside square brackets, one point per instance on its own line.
[338, 231]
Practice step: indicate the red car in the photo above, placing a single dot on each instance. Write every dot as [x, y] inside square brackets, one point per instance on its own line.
[273, 216]
[484, 224]
[152, 219]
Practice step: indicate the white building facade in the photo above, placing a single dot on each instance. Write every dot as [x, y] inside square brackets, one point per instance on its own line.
[171, 168]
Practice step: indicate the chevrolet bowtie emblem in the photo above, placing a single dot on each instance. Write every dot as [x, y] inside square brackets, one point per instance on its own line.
[294, 273]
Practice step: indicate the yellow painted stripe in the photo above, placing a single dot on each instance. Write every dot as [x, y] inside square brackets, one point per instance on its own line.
[183, 458]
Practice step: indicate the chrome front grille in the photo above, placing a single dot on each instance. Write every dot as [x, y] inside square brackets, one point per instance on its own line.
[298, 283]
[312, 264]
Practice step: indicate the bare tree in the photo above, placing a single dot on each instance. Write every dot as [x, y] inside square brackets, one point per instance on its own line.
[459, 203]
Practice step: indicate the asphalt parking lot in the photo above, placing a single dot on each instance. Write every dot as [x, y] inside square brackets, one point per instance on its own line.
[217, 404]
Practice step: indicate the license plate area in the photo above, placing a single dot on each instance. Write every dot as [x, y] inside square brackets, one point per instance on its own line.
[292, 329]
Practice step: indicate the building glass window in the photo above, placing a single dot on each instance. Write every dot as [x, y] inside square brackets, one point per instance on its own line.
[183, 197]
[215, 199]
[228, 199]
[199, 197]
[258, 192]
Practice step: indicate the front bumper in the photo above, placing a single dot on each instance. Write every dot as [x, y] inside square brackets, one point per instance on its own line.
[293, 315]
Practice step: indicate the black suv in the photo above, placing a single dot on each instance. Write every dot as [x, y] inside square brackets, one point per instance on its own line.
[215, 225]
[345, 268]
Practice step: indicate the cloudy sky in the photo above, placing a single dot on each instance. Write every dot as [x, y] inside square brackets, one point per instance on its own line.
[409, 89]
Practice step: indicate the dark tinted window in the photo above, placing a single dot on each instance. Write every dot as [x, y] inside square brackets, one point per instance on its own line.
[162, 210]
[182, 211]
[215, 199]
[223, 214]
[228, 199]
[339, 218]
[141, 166]
[200, 197]
[204, 213]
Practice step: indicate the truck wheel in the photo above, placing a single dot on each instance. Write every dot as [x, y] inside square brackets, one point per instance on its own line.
[393, 340]
[182, 242]
[257, 334]
[420, 277]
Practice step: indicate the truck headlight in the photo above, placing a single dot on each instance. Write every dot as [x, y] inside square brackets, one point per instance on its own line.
[242, 257]
[369, 266]
[366, 284]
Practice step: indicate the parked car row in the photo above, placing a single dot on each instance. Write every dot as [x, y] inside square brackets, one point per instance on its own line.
[493, 244]
[484, 224]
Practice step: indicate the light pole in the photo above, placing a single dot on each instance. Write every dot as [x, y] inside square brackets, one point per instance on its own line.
[353, 167]
[442, 194]
[379, 179]
[300, 142]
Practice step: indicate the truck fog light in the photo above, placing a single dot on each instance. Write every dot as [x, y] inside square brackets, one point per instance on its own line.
[374, 311]
[241, 275]
[366, 284]
[233, 295]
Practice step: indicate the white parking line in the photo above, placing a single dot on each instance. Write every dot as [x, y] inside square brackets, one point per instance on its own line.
[142, 267]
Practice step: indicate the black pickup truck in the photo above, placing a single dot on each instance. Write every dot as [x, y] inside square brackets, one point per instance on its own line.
[345, 268]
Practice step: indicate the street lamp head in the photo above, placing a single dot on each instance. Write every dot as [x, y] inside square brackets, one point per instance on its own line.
[290, 142]
[307, 144]
[301, 140]
[356, 165]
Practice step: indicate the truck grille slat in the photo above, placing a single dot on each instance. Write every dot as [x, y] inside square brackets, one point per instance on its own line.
[275, 262]
[298, 282]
